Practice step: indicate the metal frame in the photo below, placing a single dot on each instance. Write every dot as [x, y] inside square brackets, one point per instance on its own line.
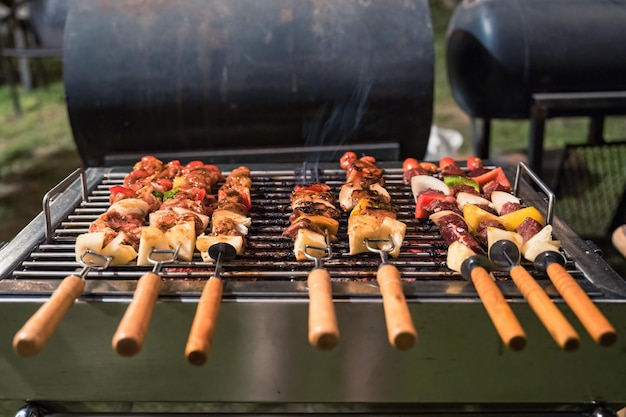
[595, 105]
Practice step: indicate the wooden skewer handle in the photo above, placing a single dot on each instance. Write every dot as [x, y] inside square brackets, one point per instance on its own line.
[502, 317]
[400, 328]
[131, 332]
[36, 332]
[601, 331]
[548, 313]
[323, 328]
[204, 323]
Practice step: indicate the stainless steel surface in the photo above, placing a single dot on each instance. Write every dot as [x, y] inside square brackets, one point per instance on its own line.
[261, 358]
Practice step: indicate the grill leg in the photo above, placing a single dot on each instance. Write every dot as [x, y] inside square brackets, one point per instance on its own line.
[535, 145]
[481, 136]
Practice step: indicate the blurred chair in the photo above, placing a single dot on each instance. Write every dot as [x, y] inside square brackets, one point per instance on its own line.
[31, 30]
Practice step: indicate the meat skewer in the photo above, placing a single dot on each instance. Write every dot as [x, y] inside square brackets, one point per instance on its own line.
[227, 239]
[323, 327]
[173, 197]
[504, 251]
[539, 248]
[36, 332]
[314, 225]
[373, 227]
[130, 335]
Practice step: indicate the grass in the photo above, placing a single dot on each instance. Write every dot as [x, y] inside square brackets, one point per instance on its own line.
[37, 151]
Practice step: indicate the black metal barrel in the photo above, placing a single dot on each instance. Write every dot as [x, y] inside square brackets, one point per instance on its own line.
[499, 53]
[214, 76]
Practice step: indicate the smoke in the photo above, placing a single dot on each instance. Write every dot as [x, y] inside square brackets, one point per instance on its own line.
[335, 123]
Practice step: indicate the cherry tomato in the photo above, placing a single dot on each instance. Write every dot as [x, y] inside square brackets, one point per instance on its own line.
[118, 189]
[212, 168]
[409, 164]
[347, 159]
[444, 162]
[194, 165]
[474, 162]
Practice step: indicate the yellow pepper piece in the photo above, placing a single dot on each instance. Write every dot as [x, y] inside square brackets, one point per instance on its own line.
[361, 205]
[512, 220]
[178, 182]
[329, 224]
[473, 215]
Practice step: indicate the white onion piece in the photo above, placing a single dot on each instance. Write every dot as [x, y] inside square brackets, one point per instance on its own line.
[464, 198]
[438, 215]
[500, 198]
[421, 183]
[203, 217]
[457, 254]
[130, 206]
[539, 243]
[382, 193]
[345, 196]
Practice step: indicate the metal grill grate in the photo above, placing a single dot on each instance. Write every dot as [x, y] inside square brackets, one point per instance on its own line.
[268, 255]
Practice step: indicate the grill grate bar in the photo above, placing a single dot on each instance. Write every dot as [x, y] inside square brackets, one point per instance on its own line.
[268, 255]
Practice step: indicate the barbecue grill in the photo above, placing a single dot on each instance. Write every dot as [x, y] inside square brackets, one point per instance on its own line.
[261, 362]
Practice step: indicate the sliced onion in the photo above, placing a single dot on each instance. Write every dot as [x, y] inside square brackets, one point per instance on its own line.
[539, 243]
[130, 206]
[345, 196]
[438, 215]
[421, 183]
[464, 198]
[500, 198]
[457, 254]
[382, 193]
[203, 217]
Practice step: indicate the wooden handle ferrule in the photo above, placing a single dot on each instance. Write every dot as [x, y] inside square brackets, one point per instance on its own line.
[599, 328]
[502, 317]
[400, 328]
[36, 332]
[204, 323]
[323, 327]
[548, 313]
[131, 332]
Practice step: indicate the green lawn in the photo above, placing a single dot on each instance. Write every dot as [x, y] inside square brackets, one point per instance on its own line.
[36, 152]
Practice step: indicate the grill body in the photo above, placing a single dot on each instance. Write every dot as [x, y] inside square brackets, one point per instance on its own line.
[227, 75]
[261, 361]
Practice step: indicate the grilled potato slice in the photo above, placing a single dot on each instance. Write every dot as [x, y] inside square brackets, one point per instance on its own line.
[308, 237]
[204, 242]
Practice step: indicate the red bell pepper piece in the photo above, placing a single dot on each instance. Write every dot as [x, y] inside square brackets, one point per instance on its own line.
[496, 174]
[118, 189]
[422, 201]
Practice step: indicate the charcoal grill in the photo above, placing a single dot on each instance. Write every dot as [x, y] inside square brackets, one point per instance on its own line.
[261, 361]
[123, 104]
